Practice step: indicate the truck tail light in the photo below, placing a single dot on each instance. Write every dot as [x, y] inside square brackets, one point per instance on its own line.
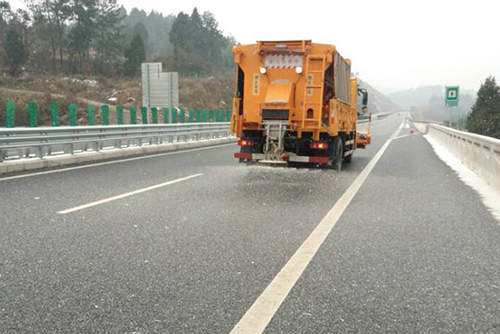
[319, 145]
[246, 142]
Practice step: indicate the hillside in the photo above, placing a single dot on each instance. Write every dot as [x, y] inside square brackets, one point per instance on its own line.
[378, 102]
[427, 102]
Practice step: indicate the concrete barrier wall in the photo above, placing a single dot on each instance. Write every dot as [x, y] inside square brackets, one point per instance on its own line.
[480, 153]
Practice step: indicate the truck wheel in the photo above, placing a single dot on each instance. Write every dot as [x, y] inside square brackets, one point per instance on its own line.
[337, 155]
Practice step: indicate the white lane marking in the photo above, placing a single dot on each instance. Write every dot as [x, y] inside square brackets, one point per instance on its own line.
[263, 309]
[135, 192]
[112, 162]
[404, 136]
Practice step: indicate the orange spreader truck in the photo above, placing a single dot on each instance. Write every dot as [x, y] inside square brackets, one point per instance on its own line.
[296, 102]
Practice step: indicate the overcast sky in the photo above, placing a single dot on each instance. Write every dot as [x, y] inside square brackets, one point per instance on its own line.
[393, 44]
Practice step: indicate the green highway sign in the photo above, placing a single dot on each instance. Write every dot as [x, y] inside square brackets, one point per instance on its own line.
[451, 96]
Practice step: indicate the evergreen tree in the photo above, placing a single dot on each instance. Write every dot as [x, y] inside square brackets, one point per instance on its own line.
[198, 44]
[484, 118]
[5, 17]
[51, 18]
[15, 51]
[134, 55]
[108, 36]
[83, 31]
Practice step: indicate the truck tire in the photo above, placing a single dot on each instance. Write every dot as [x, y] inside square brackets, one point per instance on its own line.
[337, 156]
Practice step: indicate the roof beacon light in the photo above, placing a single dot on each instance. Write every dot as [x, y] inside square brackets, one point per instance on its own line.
[298, 69]
[263, 70]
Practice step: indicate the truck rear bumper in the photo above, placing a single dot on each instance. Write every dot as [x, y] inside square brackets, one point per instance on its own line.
[287, 158]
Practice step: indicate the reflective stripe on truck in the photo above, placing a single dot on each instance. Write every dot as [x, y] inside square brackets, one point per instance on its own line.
[249, 156]
[291, 158]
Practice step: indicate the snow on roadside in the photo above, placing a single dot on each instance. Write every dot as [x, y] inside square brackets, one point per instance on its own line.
[489, 195]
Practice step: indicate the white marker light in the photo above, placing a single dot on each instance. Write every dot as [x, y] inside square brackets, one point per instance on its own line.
[263, 70]
[298, 69]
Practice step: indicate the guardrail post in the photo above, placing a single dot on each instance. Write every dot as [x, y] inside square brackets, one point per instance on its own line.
[182, 116]
[91, 114]
[32, 115]
[174, 116]
[105, 114]
[119, 115]
[72, 114]
[154, 115]
[10, 114]
[165, 112]
[133, 115]
[144, 115]
[54, 114]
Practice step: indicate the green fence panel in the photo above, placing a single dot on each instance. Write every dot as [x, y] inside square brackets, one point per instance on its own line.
[54, 114]
[198, 116]
[72, 114]
[204, 116]
[191, 116]
[32, 115]
[133, 115]
[144, 115]
[166, 113]
[212, 116]
[174, 116]
[10, 114]
[228, 115]
[105, 114]
[182, 116]
[91, 114]
[119, 115]
[154, 115]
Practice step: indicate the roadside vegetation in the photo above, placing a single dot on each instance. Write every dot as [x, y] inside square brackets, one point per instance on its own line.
[73, 51]
[484, 118]
[99, 37]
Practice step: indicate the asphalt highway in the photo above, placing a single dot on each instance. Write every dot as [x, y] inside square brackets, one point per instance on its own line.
[186, 242]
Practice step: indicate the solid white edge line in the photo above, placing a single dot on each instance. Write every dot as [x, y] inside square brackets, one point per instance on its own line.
[135, 192]
[111, 162]
[267, 304]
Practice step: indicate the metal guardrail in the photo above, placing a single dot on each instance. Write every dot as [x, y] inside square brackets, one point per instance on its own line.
[366, 118]
[16, 143]
[363, 119]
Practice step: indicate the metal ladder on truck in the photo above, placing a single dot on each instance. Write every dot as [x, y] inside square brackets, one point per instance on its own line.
[313, 100]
